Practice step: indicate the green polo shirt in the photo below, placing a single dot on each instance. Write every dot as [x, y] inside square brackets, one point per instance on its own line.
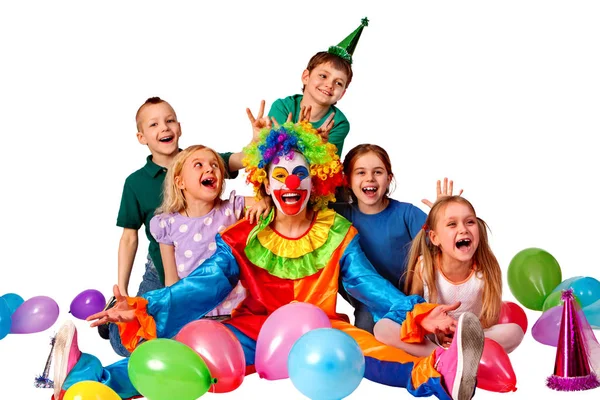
[142, 194]
[282, 107]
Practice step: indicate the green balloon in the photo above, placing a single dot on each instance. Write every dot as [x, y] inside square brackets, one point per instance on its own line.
[553, 300]
[162, 369]
[532, 275]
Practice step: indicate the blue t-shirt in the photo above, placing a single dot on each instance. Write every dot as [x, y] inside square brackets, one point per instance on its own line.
[386, 237]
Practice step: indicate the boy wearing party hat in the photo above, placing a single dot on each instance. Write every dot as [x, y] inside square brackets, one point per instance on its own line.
[325, 81]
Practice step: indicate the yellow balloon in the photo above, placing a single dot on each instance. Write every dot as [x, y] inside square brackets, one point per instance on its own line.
[90, 390]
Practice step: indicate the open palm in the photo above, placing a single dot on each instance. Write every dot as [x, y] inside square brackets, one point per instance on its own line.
[121, 312]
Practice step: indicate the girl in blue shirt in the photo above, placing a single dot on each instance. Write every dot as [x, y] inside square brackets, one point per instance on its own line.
[386, 226]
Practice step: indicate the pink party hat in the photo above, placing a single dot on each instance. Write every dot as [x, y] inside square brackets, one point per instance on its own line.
[572, 368]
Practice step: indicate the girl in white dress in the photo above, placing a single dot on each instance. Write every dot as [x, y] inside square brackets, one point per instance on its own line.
[451, 262]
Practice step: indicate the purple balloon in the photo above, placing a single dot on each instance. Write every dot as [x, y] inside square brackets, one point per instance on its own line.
[35, 315]
[546, 328]
[87, 303]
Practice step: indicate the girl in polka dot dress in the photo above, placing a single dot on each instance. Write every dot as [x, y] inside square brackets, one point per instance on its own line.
[192, 214]
[450, 261]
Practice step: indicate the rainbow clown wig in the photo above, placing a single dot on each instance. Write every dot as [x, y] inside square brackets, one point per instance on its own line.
[325, 166]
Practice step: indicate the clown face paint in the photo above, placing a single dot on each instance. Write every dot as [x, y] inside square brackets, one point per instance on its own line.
[290, 184]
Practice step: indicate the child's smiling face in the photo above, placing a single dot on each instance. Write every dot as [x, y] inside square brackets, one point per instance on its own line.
[456, 231]
[325, 84]
[159, 128]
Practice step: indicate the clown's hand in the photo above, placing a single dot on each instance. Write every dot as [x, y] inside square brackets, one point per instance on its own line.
[438, 320]
[121, 312]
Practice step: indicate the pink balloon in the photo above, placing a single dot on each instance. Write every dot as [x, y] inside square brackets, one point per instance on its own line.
[34, 315]
[220, 350]
[279, 333]
[546, 328]
[511, 312]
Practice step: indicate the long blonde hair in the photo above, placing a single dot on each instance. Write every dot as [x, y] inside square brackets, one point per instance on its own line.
[173, 198]
[485, 263]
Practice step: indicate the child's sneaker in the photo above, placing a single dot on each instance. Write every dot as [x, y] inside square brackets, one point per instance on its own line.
[66, 355]
[103, 330]
[459, 363]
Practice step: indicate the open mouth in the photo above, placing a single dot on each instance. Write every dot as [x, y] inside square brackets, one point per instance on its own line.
[166, 139]
[463, 244]
[325, 92]
[209, 183]
[291, 197]
[369, 190]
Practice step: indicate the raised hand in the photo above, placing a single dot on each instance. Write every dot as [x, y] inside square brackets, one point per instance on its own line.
[260, 122]
[438, 321]
[442, 192]
[324, 129]
[121, 312]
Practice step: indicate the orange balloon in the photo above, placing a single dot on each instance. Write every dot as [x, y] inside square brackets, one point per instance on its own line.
[495, 370]
[90, 390]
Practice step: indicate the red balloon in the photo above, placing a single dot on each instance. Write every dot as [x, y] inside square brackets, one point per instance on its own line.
[511, 312]
[221, 351]
[495, 370]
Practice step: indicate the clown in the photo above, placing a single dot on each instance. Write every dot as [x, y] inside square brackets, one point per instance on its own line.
[300, 253]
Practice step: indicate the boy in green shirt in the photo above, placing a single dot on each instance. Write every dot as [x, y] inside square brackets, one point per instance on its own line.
[325, 79]
[159, 129]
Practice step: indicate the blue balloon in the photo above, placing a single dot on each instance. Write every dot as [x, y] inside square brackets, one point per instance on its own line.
[592, 314]
[585, 288]
[13, 300]
[326, 364]
[566, 283]
[5, 320]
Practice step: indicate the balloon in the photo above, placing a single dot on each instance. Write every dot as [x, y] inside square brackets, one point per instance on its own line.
[592, 313]
[87, 303]
[546, 328]
[162, 369]
[279, 333]
[585, 289]
[532, 275]
[553, 300]
[512, 312]
[13, 300]
[495, 372]
[566, 283]
[35, 315]
[326, 364]
[5, 320]
[220, 349]
[90, 390]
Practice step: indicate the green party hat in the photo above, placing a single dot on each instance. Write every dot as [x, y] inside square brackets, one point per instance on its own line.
[346, 47]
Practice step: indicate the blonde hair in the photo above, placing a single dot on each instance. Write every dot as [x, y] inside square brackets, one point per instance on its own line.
[173, 198]
[485, 263]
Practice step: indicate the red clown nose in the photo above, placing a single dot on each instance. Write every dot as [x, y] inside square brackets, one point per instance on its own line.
[292, 182]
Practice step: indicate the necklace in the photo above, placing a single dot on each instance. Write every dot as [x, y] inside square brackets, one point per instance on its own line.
[186, 213]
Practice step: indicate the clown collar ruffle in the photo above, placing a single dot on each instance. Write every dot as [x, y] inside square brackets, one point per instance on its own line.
[298, 258]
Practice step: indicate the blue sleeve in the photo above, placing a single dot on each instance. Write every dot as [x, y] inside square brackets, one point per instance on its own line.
[279, 111]
[193, 296]
[414, 219]
[363, 283]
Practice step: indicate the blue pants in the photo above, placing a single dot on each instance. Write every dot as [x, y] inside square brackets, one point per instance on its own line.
[150, 281]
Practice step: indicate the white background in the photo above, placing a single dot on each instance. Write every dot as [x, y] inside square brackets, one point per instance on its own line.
[503, 97]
